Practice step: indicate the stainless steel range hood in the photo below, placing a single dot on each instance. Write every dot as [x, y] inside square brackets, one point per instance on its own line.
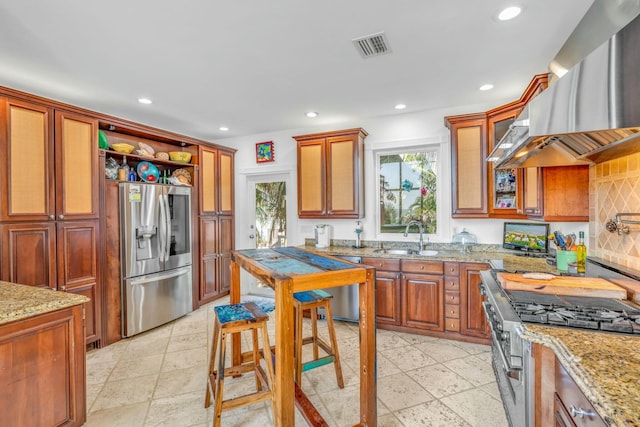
[590, 115]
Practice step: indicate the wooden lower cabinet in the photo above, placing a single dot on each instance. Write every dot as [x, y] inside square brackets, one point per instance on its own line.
[557, 400]
[388, 290]
[216, 244]
[472, 319]
[423, 301]
[61, 255]
[430, 297]
[42, 370]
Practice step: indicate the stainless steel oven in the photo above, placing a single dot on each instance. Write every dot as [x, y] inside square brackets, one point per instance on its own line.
[510, 354]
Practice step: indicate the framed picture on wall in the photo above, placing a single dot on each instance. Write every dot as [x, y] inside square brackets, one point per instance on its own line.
[265, 152]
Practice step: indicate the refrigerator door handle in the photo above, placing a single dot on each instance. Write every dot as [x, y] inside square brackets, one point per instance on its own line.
[167, 238]
[163, 229]
[157, 278]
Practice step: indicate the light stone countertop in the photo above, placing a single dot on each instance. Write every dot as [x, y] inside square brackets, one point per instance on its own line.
[606, 367]
[20, 301]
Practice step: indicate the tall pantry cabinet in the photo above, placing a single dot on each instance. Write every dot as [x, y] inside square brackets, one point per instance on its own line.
[216, 222]
[49, 202]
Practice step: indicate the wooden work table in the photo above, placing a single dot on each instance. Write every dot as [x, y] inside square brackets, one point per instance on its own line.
[288, 270]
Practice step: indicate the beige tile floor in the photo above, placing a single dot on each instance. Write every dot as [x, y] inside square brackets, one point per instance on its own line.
[159, 379]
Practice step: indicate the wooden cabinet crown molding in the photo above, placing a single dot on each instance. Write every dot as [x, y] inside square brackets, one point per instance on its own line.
[113, 123]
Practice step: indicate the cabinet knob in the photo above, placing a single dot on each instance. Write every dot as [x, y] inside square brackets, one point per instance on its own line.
[451, 269]
[452, 311]
[52, 216]
[422, 267]
[452, 297]
[63, 288]
[60, 216]
[579, 412]
[379, 264]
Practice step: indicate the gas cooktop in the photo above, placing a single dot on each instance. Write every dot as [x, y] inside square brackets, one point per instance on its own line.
[603, 314]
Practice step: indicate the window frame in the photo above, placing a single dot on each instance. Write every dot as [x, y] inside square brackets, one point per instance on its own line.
[442, 201]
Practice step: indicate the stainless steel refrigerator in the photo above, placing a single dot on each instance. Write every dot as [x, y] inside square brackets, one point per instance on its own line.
[155, 253]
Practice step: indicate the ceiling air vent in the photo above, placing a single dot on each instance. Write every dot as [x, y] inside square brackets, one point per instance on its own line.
[372, 45]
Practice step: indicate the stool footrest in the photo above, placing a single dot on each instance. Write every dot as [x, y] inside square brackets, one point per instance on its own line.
[247, 399]
[317, 363]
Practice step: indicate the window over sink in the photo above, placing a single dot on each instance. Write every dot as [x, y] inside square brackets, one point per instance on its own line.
[408, 184]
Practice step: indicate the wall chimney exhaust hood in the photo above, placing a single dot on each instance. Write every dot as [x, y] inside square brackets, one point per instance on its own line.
[590, 115]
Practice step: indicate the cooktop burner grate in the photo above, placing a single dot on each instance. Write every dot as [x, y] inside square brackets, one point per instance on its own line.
[578, 312]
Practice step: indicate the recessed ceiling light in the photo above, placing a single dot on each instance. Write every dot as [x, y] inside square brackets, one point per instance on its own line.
[509, 13]
[311, 114]
[486, 87]
[400, 107]
[144, 100]
[224, 128]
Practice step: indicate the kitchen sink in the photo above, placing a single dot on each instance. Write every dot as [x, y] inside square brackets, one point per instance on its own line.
[405, 252]
[396, 251]
[427, 253]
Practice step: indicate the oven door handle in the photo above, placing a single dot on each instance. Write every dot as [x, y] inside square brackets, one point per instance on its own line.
[511, 372]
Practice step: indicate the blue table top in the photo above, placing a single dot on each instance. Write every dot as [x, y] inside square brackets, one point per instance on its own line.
[290, 260]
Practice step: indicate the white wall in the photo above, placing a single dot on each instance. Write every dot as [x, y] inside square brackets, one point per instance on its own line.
[384, 133]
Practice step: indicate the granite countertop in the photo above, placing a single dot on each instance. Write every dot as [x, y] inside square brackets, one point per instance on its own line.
[21, 301]
[507, 261]
[606, 367]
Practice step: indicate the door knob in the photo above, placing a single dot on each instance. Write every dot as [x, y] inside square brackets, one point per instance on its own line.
[251, 236]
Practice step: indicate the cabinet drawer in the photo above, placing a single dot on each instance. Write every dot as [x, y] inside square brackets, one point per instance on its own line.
[452, 325]
[452, 311]
[415, 266]
[452, 283]
[383, 263]
[452, 298]
[452, 268]
[574, 401]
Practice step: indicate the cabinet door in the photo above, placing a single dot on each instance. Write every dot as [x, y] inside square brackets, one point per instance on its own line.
[208, 181]
[532, 198]
[469, 168]
[423, 301]
[29, 254]
[473, 321]
[226, 183]
[343, 184]
[78, 269]
[225, 246]
[27, 160]
[311, 178]
[388, 297]
[566, 193]
[505, 197]
[42, 380]
[208, 258]
[76, 166]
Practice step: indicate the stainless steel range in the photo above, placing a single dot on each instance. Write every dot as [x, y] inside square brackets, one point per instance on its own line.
[507, 311]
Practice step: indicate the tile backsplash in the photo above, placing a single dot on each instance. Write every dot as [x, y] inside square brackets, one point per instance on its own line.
[615, 188]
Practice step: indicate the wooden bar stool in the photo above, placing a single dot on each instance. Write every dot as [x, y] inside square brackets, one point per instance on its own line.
[230, 319]
[312, 300]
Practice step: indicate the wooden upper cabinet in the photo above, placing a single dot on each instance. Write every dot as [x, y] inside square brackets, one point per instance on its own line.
[330, 174]
[76, 166]
[216, 181]
[563, 193]
[469, 168]
[27, 159]
[47, 175]
[479, 191]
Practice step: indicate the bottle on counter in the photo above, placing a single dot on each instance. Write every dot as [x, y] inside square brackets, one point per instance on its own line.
[581, 256]
[123, 170]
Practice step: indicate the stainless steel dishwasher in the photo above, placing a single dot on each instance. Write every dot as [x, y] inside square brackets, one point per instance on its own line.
[345, 298]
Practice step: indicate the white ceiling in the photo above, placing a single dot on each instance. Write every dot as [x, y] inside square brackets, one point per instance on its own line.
[257, 66]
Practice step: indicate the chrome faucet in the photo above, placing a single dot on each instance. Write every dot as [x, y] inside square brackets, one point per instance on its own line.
[421, 228]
